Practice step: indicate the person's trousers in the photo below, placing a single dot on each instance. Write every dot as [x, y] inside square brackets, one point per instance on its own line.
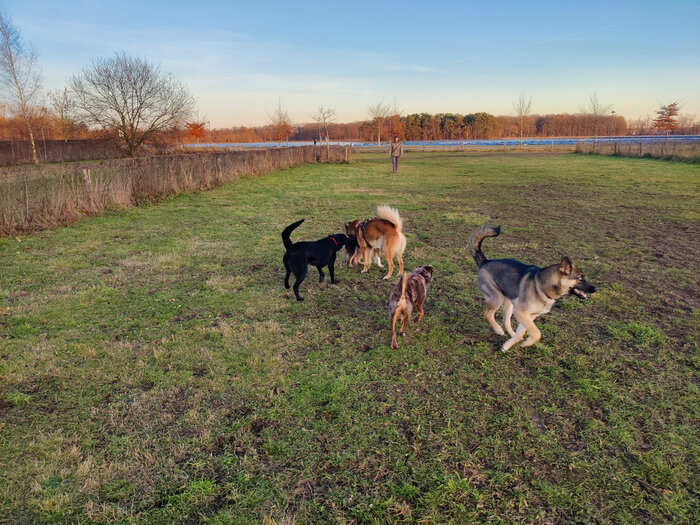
[395, 163]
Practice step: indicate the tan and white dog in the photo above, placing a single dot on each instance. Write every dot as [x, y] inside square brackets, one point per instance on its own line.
[385, 230]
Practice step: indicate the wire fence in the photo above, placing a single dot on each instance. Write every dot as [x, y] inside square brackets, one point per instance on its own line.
[38, 197]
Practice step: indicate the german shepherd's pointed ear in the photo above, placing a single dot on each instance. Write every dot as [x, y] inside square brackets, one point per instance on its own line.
[566, 266]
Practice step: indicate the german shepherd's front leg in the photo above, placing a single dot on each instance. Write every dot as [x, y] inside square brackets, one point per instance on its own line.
[532, 329]
[519, 334]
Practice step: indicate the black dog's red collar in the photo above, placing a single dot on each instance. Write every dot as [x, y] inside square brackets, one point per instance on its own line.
[333, 239]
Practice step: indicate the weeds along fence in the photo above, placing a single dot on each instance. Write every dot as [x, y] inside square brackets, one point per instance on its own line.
[13, 152]
[672, 150]
[37, 197]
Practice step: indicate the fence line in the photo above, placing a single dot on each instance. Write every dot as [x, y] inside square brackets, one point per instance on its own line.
[14, 152]
[38, 197]
[658, 150]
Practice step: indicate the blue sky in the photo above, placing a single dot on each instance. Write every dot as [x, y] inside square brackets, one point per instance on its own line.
[240, 58]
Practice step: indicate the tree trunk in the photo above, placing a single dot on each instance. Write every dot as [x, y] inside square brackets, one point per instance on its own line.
[35, 158]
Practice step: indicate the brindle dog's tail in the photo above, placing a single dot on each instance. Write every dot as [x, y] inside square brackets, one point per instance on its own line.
[287, 232]
[475, 242]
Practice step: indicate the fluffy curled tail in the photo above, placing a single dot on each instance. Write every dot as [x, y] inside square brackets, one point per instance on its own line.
[391, 215]
[288, 231]
[475, 242]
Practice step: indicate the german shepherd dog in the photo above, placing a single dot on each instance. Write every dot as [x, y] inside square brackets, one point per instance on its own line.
[300, 254]
[526, 290]
[409, 294]
[371, 234]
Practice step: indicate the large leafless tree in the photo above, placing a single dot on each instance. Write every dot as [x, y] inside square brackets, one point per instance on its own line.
[63, 107]
[324, 116]
[132, 97]
[522, 109]
[597, 111]
[281, 123]
[20, 75]
[379, 112]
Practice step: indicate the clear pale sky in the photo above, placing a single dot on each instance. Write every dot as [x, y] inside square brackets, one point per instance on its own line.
[240, 58]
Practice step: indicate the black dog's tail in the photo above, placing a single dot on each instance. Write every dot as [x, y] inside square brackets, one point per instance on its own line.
[287, 232]
[475, 242]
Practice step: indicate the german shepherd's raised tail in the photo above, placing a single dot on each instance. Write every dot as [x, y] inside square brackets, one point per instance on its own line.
[525, 290]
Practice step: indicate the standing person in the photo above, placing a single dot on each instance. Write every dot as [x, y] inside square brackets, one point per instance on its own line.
[396, 150]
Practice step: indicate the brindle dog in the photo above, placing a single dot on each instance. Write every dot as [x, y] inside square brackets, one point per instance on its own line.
[409, 294]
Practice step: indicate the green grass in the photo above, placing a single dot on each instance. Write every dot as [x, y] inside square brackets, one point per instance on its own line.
[153, 369]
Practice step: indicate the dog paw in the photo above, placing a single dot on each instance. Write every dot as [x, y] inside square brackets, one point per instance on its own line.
[506, 345]
[499, 331]
[300, 298]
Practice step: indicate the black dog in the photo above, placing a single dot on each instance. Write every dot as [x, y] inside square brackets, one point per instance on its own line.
[300, 254]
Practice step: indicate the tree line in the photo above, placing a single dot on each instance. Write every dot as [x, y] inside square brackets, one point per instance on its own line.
[452, 126]
[131, 101]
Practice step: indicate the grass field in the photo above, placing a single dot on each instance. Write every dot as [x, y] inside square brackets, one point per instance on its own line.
[153, 368]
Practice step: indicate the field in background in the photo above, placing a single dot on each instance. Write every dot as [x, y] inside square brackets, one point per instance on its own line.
[679, 147]
[153, 367]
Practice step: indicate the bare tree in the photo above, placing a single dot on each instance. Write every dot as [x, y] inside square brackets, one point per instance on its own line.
[63, 107]
[132, 97]
[522, 109]
[686, 123]
[597, 111]
[379, 113]
[323, 116]
[280, 121]
[20, 74]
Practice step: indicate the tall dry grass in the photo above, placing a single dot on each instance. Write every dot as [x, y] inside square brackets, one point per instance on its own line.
[34, 198]
[672, 150]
